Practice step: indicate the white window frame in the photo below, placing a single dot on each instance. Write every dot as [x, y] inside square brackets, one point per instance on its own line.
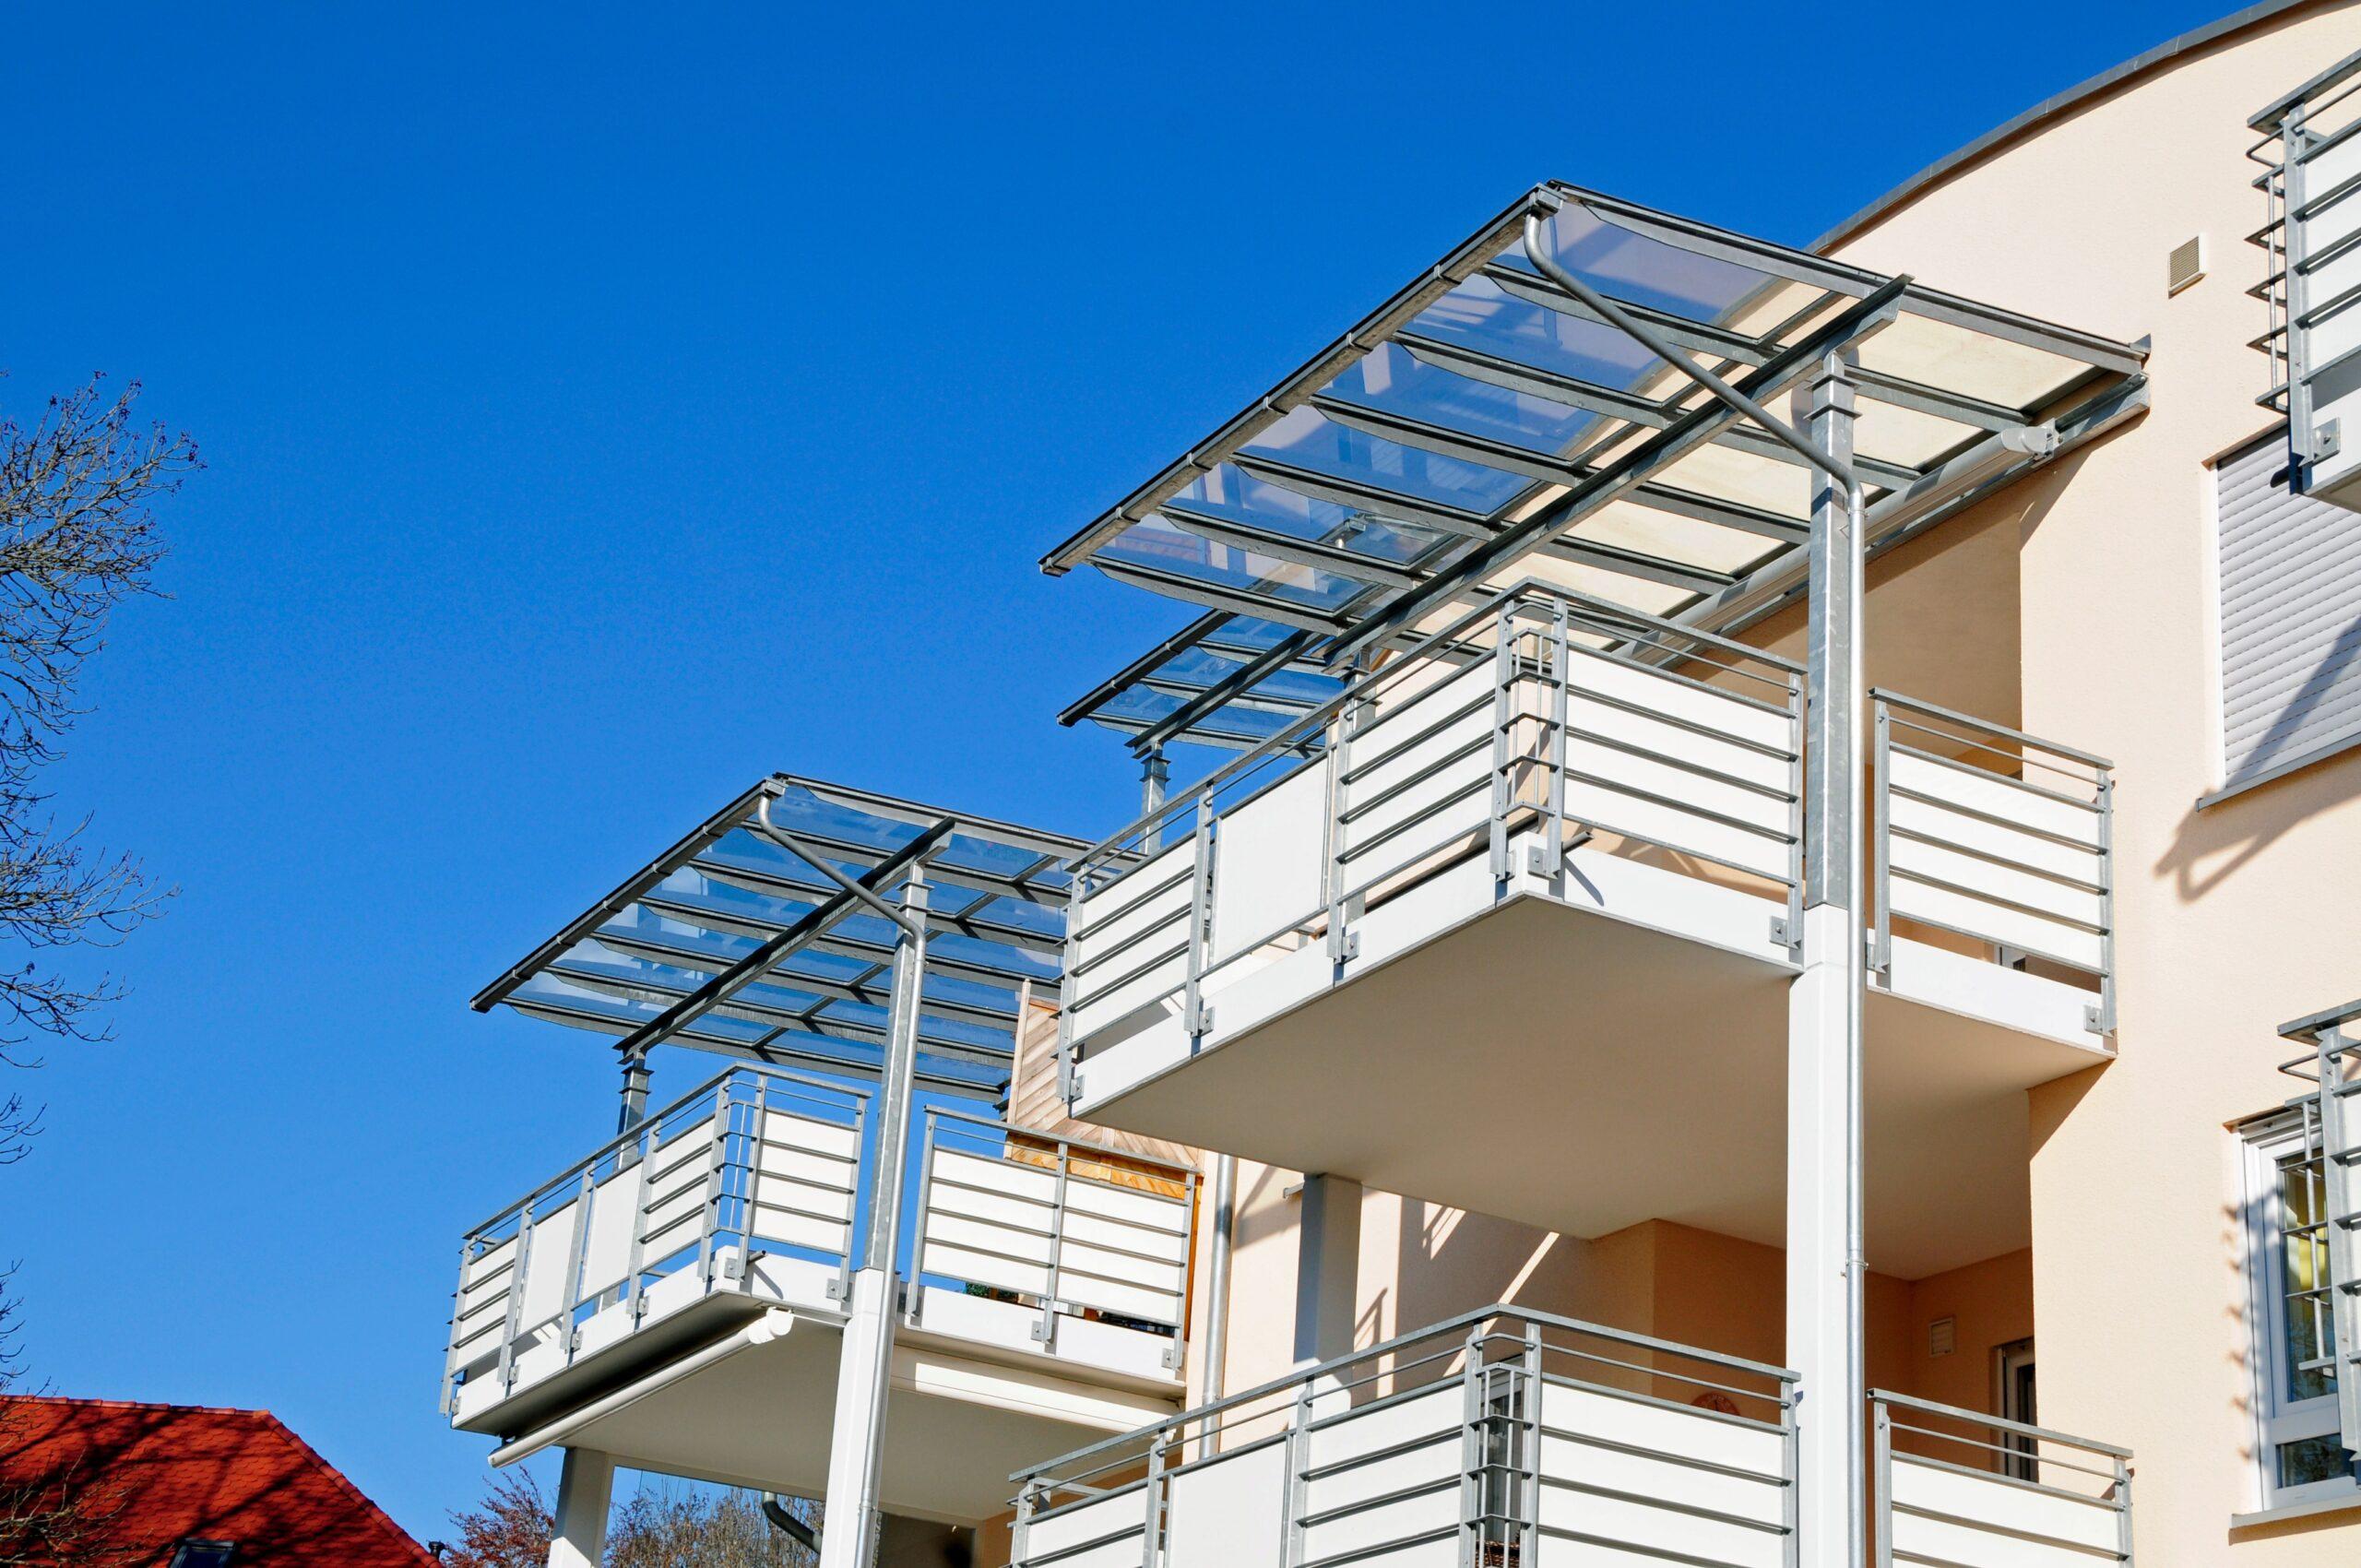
[2277, 1419]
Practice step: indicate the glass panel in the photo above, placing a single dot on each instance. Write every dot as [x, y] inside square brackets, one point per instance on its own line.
[2304, 1241]
[1232, 492]
[1628, 525]
[2313, 1460]
[1934, 353]
[1308, 441]
[1631, 267]
[1158, 542]
[1390, 379]
[1478, 315]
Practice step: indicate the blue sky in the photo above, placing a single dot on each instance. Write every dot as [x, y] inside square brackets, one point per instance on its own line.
[607, 407]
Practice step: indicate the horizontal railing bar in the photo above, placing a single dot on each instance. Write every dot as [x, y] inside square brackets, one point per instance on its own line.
[1602, 824]
[1390, 1451]
[2064, 840]
[1448, 1326]
[1465, 711]
[2003, 1449]
[2006, 1532]
[1926, 1462]
[858, 1095]
[1670, 1505]
[1685, 1461]
[1924, 879]
[2025, 760]
[1932, 710]
[1920, 836]
[1479, 744]
[1124, 1156]
[1399, 1543]
[1617, 1543]
[1657, 672]
[2001, 779]
[1976, 1417]
[2082, 965]
[1183, 872]
[1633, 1395]
[1384, 1499]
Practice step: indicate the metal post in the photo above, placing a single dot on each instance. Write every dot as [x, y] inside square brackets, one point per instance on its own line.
[1046, 1331]
[1881, 838]
[1196, 1018]
[635, 1091]
[857, 1440]
[1826, 1267]
[1155, 774]
[2340, 1203]
[2295, 142]
[1217, 1294]
[1885, 1484]
[916, 1305]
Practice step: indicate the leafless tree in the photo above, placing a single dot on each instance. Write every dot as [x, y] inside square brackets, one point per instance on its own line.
[78, 537]
[50, 1514]
[660, 1525]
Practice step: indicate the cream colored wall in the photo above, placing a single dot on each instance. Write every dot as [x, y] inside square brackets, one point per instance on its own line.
[2232, 918]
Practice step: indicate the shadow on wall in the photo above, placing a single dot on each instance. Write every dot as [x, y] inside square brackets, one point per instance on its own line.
[2212, 842]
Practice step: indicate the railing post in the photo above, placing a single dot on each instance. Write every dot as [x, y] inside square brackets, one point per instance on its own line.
[643, 1145]
[1471, 1452]
[1504, 720]
[915, 1306]
[2123, 1511]
[1298, 1450]
[2103, 1022]
[1790, 1460]
[512, 1318]
[1069, 1083]
[1881, 1496]
[1046, 1331]
[714, 1160]
[1880, 836]
[1338, 851]
[1793, 932]
[573, 1293]
[1533, 1397]
[1553, 853]
[451, 1353]
[1151, 1529]
[1176, 1355]
[1197, 1018]
[1027, 1499]
[2341, 1201]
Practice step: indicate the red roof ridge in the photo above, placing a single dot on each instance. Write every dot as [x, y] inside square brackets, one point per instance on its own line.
[131, 1404]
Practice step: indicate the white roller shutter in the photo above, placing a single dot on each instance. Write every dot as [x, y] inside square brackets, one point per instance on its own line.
[2291, 618]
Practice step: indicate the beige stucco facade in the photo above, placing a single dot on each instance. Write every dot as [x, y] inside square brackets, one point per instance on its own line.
[2077, 604]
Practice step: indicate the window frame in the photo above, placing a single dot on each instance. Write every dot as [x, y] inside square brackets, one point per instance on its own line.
[2277, 1419]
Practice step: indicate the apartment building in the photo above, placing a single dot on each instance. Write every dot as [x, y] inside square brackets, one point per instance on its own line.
[1758, 974]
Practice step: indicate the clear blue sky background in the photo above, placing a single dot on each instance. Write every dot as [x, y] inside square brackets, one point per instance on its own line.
[605, 406]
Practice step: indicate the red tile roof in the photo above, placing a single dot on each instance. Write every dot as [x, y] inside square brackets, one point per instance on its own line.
[165, 1473]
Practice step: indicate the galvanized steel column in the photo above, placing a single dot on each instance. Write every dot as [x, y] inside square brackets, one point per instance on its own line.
[856, 1439]
[1825, 1269]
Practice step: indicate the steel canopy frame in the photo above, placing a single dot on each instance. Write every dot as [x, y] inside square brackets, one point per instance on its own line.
[1485, 414]
[773, 926]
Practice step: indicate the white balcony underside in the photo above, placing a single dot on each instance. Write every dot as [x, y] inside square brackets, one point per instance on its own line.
[743, 1394]
[1590, 1062]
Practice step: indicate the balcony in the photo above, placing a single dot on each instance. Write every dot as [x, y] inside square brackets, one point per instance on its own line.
[675, 1296]
[1559, 843]
[1512, 1437]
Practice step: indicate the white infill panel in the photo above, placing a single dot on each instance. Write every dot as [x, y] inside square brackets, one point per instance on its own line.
[1267, 863]
[1418, 778]
[988, 1221]
[614, 1214]
[1131, 941]
[545, 1285]
[1227, 1512]
[1981, 1521]
[1990, 858]
[804, 1172]
[1627, 1481]
[1383, 1482]
[680, 1173]
[1106, 1532]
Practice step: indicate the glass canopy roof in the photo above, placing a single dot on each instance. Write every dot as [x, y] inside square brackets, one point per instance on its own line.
[1485, 424]
[744, 938]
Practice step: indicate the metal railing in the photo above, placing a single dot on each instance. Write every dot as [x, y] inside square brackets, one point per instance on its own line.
[1954, 1486]
[1476, 1440]
[1542, 719]
[751, 1156]
[1068, 1229]
[754, 1183]
[2330, 1111]
[1993, 835]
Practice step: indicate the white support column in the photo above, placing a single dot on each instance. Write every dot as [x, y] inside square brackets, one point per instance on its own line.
[856, 1439]
[1328, 1265]
[584, 1488]
[1825, 1266]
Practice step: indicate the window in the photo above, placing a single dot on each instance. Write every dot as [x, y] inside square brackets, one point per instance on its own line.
[2288, 580]
[204, 1554]
[2302, 1453]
